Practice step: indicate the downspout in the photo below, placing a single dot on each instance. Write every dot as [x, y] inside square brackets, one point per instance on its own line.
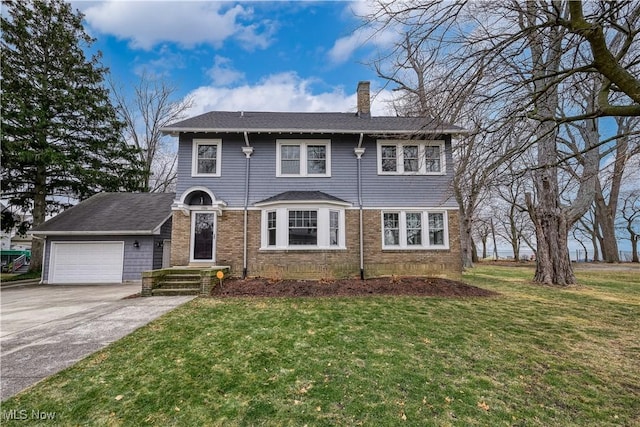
[247, 150]
[359, 151]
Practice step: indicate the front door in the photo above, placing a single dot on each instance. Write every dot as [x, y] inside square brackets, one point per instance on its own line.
[203, 236]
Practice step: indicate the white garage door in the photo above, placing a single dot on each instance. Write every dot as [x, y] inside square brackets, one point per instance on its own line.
[86, 262]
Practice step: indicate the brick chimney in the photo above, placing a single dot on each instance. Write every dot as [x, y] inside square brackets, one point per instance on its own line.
[364, 99]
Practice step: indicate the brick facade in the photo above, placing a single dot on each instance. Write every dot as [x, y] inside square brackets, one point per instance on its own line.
[319, 264]
[180, 238]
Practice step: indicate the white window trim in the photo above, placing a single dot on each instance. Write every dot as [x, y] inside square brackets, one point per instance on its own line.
[425, 230]
[282, 227]
[303, 143]
[399, 144]
[194, 156]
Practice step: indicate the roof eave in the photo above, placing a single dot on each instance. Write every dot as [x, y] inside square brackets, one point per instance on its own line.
[95, 232]
[302, 202]
[177, 130]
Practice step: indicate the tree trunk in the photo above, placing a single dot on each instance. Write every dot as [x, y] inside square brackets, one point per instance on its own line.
[39, 216]
[466, 240]
[474, 253]
[484, 247]
[553, 266]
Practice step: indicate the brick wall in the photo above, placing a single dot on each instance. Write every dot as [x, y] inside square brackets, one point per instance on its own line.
[180, 238]
[379, 262]
[320, 264]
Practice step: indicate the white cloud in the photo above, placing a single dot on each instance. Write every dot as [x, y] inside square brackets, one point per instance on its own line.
[222, 73]
[280, 92]
[148, 23]
[365, 36]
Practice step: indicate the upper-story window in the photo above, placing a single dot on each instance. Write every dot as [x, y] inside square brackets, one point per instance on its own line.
[311, 157]
[206, 157]
[398, 157]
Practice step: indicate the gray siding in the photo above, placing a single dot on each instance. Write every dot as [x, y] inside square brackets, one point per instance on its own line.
[378, 191]
[136, 260]
[165, 233]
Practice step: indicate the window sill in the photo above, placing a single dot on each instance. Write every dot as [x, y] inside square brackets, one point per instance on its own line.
[414, 248]
[303, 249]
[412, 173]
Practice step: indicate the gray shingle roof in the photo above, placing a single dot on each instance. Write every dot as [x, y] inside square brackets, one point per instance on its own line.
[112, 213]
[302, 196]
[252, 121]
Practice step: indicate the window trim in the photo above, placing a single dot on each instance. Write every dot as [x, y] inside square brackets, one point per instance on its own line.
[303, 143]
[323, 227]
[422, 167]
[425, 245]
[194, 156]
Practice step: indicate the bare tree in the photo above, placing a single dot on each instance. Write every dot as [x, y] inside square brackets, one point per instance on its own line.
[520, 56]
[152, 107]
[482, 231]
[512, 220]
[630, 220]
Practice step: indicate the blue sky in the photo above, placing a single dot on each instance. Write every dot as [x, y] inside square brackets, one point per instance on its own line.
[259, 55]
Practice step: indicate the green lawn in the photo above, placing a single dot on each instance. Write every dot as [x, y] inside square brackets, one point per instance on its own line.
[535, 356]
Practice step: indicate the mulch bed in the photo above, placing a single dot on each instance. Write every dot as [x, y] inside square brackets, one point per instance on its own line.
[416, 286]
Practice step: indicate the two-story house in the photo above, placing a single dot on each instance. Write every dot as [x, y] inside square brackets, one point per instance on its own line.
[315, 195]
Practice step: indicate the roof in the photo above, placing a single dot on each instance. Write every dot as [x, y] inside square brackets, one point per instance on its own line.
[112, 214]
[302, 196]
[253, 121]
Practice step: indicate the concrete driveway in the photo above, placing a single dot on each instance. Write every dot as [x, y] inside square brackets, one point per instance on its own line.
[46, 328]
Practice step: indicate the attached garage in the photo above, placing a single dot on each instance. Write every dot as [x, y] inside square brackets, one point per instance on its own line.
[86, 262]
[108, 238]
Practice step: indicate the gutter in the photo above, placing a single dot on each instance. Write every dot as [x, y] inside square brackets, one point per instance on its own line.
[247, 150]
[96, 233]
[359, 151]
[177, 130]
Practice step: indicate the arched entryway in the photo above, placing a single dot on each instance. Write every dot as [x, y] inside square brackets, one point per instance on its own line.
[203, 208]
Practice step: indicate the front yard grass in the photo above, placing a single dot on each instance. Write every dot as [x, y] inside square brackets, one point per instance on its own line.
[534, 356]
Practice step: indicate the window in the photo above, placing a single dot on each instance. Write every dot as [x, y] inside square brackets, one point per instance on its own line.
[436, 229]
[334, 228]
[303, 228]
[309, 227]
[303, 158]
[391, 229]
[405, 230]
[206, 157]
[432, 156]
[410, 158]
[271, 228]
[389, 158]
[397, 157]
[414, 228]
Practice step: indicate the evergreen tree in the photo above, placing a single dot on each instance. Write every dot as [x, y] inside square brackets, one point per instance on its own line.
[61, 139]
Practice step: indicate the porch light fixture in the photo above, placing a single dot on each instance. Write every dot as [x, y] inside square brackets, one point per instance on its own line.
[136, 244]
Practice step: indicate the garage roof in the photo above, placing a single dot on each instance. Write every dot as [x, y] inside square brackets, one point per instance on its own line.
[112, 214]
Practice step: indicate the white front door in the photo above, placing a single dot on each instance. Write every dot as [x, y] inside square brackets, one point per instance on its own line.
[203, 236]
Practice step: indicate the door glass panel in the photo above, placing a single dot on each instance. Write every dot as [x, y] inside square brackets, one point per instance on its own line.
[203, 236]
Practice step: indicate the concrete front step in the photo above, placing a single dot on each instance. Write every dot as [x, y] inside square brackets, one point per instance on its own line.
[181, 277]
[166, 284]
[166, 292]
